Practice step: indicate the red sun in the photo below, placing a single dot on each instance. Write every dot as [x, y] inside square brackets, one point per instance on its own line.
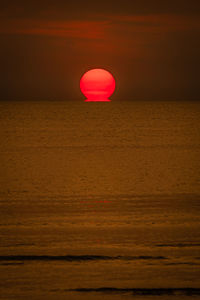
[97, 85]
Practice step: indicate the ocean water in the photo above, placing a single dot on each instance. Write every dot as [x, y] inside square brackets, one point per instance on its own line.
[99, 200]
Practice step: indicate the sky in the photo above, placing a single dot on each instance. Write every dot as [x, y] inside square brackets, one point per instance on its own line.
[151, 47]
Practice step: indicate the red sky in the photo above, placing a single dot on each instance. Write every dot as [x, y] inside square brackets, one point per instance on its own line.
[152, 48]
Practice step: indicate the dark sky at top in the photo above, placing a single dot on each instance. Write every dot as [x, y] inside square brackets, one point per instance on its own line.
[151, 47]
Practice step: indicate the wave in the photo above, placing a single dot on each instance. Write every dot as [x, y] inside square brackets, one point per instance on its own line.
[76, 258]
[142, 291]
[11, 264]
[182, 263]
[179, 245]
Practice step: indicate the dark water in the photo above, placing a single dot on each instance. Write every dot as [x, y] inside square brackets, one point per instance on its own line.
[99, 200]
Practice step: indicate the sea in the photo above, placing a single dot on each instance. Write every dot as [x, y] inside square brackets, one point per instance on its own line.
[99, 200]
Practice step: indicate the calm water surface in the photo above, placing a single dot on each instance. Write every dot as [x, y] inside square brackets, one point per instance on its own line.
[99, 200]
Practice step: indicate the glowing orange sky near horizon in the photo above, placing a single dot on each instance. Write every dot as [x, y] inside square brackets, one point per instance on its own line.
[97, 85]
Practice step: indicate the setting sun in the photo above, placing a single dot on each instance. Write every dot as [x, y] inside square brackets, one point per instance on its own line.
[97, 85]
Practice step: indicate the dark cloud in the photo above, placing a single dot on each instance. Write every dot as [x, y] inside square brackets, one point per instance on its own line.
[63, 8]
